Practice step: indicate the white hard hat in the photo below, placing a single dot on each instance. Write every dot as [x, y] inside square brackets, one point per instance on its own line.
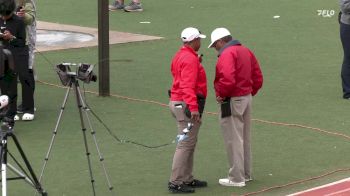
[190, 34]
[217, 34]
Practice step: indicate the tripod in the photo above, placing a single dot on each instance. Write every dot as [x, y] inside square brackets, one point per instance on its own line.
[5, 132]
[74, 83]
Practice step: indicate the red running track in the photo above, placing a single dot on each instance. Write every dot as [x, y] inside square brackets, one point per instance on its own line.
[339, 188]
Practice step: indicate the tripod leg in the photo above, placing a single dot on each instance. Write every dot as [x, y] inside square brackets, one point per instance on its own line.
[3, 180]
[93, 133]
[36, 182]
[20, 174]
[55, 131]
[3, 165]
[75, 86]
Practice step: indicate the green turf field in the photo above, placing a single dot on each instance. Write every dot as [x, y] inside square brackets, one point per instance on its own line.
[300, 56]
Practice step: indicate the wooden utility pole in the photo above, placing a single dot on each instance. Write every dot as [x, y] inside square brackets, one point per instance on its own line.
[103, 48]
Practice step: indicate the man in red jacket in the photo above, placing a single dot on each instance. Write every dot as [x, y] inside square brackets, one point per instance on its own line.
[187, 98]
[238, 77]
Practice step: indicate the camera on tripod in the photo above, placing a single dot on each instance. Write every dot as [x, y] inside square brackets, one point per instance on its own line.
[82, 71]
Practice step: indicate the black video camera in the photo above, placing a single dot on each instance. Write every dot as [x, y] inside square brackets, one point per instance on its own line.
[82, 71]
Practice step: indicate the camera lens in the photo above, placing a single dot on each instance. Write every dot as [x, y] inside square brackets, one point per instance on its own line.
[93, 77]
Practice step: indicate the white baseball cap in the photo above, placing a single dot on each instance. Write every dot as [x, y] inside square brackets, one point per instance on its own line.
[217, 34]
[190, 34]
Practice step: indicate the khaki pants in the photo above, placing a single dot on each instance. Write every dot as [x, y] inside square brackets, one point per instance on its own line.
[236, 133]
[183, 158]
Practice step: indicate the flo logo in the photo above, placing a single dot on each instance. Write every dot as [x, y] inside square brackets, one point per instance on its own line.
[325, 13]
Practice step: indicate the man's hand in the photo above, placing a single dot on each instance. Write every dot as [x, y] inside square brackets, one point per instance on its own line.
[195, 117]
[219, 99]
[21, 12]
[7, 35]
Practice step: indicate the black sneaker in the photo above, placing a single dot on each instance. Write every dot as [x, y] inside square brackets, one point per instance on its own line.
[197, 184]
[181, 189]
[20, 109]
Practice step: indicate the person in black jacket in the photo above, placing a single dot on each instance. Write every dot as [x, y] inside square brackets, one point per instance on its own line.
[26, 10]
[344, 21]
[13, 38]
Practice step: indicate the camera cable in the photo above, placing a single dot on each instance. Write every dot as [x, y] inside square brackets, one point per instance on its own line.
[115, 136]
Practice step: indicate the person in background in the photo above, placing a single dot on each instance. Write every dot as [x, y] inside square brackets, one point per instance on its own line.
[344, 21]
[27, 12]
[13, 38]
[134, 6]
[187, 99]
[237, 78]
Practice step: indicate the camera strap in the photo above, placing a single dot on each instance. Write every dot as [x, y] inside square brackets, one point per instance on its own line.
[9, 59]
[7, 62]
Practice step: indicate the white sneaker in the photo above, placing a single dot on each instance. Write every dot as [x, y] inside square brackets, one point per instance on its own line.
[228, 182]
[28, 117]
[16, 117]
[248, 179]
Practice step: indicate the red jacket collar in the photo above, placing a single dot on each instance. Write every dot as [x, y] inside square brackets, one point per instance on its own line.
[188, 48]
[231, 43]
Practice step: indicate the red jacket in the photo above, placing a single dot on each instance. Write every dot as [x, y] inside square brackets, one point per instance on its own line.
[237, 71]
[189, 79]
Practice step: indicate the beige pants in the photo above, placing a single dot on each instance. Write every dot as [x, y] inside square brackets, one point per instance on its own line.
[236, 133]
[183, 158]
